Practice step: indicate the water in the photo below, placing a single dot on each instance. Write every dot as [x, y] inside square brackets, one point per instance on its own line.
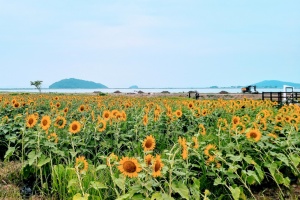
[146, 90]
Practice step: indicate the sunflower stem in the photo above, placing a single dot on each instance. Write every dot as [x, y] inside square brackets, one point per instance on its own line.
[112, 176]
[171, 169]
[79, 180]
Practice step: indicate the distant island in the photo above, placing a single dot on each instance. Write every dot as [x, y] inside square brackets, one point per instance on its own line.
[268, 84]
[275, 84]
[133, 87]
[73, 83]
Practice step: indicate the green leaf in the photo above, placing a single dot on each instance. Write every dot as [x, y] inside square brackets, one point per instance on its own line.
[259, 172]
[248, 159]
[73, 153]
[124, 196]
[295, 159]
[181, 188]
[232, 175]
[286, 182]
[218, 181]
[101, 167]
[120, 182]
[195, 189]
[233, 168]
[43, 160]
[252, 177]
[251, 180]
[272, 167]
[13, 138]
[161, 196]
[58, 152]
[235, 192]
[283, 158]
[234, 158]
[78, 196]
[148, 185]
[97, 185]
[9, 152]
[178, 173]
[72, 183]
[32, 157]
[138, 197]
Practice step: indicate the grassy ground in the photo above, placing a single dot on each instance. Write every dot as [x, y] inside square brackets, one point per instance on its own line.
[11, 182]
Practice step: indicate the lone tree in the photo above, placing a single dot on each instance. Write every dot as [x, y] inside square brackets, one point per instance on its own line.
[37, 84]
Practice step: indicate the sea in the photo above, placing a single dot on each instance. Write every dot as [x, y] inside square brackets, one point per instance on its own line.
[145, 90]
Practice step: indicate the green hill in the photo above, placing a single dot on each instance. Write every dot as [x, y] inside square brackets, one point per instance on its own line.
[73, 83]
[133, 87]
[275, 84]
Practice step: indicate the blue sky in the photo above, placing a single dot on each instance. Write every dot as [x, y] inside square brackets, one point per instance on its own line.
[149, 43]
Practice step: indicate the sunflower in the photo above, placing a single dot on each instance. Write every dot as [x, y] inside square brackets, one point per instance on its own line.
[239, 128]
[74, 127]
[191, 105]
[101, 124]
[197, 112]
[119, 116]
[124, 116]
[178, 113]
[148, 159]
[202, 129]
[149, 143]
[263, 124]
[273, 135]
[114, 113]
[156, 113]
[277, 129]
[129, 167]
[81, 164]
[287, 119]
[146, 110]
[168, 111]
[31, 121]
[196, 143]
[184, 153]
[53, 136]
[210, 160]
[157, 166]
[106, 115]
[111, 158]
[16, 105]
[222, 123]
[254, 134]
[204, 112]
[182, 142]
[45, 122]
[235, 120]
[293, 120]
[145, 120]
[246, 118]
[261, 115]
[5, 119]
[81, 108]
[208, 151]
[66, 110]
[57, 105]
[60, 122]
[36, 115]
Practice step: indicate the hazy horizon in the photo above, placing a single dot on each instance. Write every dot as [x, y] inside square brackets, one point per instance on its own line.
[149, 43]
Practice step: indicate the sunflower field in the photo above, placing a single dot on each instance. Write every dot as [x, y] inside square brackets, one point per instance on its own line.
[119, 147]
